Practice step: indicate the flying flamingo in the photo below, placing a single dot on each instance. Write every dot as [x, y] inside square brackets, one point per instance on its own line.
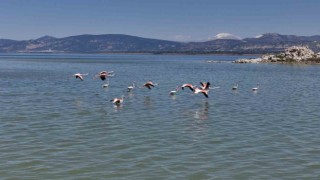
[117, 101]
[173, 92]
[104, 74]
[190, 86]
[106, 84]
[203, 91]
[149, 84]
[235, 87]
[256, 88]
[131, 87]
[80, 76]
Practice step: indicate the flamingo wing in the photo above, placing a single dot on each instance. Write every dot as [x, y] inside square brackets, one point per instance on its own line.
[191, 88]
[205, 85]
[205, 94]
[208, 85]
[202, 84]
[148, 86]
[80, 77]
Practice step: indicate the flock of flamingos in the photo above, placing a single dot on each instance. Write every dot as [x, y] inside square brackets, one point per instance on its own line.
[204, 88]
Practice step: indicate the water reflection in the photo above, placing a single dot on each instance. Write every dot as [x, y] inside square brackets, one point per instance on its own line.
[147, 102]
[255, 92]
[79, 103]
[117, 107]
[105, 89]
[202, 113]
[130, 94]
[235, 91]
[173, 97]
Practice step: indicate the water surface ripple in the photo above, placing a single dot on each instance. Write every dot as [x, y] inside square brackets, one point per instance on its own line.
[54, 126]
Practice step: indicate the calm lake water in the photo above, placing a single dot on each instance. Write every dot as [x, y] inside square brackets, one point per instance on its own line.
[54, 126]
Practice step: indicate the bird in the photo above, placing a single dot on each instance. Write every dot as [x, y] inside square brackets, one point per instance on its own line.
[80, 76]
[173, 92]
[106, 84]
[256, 88]
[117, 101]
[205, 86]
[131, 87]
[104, 74]
[149, 84]
[203, 91]
[190, 86]
[235, 87]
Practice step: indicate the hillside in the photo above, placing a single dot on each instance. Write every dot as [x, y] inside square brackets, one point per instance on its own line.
[109, 43]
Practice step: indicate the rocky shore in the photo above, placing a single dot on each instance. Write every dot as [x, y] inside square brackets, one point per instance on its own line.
[295, 54]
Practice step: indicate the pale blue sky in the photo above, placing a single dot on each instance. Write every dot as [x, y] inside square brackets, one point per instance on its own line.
[183, 20]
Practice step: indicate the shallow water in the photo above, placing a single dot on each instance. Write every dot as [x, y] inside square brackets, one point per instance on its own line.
[54, 126]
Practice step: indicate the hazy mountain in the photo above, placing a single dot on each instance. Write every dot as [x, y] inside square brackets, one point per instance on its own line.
[90, 44]
[270, 42]
[273, 42]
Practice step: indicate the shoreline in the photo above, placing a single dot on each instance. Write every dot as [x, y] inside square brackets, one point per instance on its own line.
[307, 62]
[142, 53]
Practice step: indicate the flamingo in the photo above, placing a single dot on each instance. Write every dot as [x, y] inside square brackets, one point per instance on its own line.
[256, 88]
[117, 101]
[130, 88]
[106, 84]
[173, 92]
[149, 84]
[190, 86]
[80, 76]
[203, 91]
[235, 87]
[104, 74]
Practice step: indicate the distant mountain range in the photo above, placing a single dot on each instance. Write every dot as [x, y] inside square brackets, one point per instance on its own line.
[119, 43]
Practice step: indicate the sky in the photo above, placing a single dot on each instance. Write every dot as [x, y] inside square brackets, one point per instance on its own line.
[178, 20]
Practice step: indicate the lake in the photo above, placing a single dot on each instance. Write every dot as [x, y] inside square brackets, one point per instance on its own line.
[54, 126]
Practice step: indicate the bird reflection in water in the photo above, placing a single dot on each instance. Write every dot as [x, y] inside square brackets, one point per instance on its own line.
[173, 97]
[117, 107]
[202, 113]
[148, 102]
[79, 104]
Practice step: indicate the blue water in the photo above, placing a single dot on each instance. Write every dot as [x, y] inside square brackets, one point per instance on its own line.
[53, 126]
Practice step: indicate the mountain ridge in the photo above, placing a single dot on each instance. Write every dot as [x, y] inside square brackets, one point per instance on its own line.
[114, 43]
